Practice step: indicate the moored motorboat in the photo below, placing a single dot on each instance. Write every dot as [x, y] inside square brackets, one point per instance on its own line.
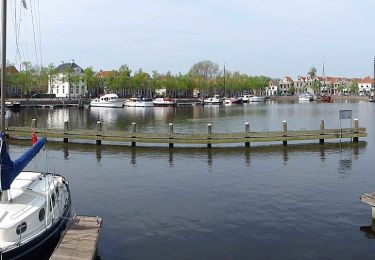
[215, 100]
[139, 102]
[256, 99]
[107, 100]
[13, 105]
[164, 102]
[305, 97]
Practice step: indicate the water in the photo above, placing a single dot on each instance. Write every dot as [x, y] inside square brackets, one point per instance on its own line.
[266, 202]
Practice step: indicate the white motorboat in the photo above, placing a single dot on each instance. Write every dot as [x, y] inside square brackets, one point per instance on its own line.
[164, 102]
[107, 100]
[305, 97]
[246, 98]
[139, 102]
[215, 100]
[256, 99]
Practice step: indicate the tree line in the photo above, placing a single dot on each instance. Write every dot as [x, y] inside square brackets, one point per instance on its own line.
[205, 76]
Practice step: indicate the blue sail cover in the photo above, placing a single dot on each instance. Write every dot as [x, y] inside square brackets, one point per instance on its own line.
[10, 169]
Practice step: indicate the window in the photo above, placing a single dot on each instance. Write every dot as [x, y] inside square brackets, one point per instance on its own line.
[42, 214]
[53, 199]
[21, 228]
[77, 90]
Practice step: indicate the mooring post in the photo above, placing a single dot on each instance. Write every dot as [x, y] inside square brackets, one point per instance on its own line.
[33, 124]
[356, 131]
[209, 131]
[134, 130]
[66, 131]
[170, 135]
[321, 140]
[98, 132]
[285, 127]
[247, 133]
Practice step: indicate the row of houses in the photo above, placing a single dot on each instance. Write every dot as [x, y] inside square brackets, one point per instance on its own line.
[63, 87]
[320, 85]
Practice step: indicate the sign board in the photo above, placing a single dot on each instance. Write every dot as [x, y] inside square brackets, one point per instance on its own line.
[345, 114]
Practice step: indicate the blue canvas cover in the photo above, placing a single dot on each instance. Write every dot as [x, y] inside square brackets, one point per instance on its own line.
[10, 169]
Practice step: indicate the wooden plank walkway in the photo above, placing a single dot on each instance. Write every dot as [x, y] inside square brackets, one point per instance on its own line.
[79, 240]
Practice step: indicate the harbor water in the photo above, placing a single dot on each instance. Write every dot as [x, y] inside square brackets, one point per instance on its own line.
[263, 202]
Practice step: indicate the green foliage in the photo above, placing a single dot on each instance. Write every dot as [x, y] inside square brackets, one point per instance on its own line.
[312, 72]
[353, 89]
[204, 76]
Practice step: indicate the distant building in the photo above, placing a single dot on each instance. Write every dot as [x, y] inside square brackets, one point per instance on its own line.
[13, 89]
[271, 89]
[285, 84]
[365, 85]
[62, 87]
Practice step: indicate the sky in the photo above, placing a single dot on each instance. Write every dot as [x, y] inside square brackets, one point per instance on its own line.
[258, 37]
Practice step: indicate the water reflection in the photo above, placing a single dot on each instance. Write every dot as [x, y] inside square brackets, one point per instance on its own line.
[350, 151]
[170, 160]
[369, 231]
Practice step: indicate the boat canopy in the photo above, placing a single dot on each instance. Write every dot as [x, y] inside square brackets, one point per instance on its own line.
[10, 169]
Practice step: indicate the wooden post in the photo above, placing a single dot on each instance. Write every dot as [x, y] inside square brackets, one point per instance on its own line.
[209, 131]
[247, 135]
[285, 127]
[134, 130]
[33, 124]
[356, 130]
[98, 132]
[170, 135]
[66, 129]
[321, 140]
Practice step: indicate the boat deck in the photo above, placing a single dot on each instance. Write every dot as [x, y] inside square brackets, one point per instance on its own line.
[368, 198]
[80, 239]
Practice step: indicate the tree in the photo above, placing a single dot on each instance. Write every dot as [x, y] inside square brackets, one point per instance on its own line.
[206, 69]
[27, 77]
[353, 87]
[47, 74]
[316, 86]
[89, 78]
[312, 72]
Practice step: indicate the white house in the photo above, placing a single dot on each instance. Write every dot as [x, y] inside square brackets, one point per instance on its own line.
[365, 85]
[271, 89]
[60, 86]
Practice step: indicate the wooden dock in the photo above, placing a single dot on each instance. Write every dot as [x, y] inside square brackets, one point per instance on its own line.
[80, 240]
[170, 137]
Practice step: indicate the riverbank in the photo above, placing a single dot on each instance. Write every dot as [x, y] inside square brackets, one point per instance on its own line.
[333, 97]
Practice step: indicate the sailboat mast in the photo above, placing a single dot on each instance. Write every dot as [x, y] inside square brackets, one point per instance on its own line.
[224, 79]
[3, 61]
[324, 78]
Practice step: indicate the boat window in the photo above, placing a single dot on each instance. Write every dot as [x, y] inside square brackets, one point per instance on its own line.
[53, 199]
[42, 214]
[21, 228]
[57, 192]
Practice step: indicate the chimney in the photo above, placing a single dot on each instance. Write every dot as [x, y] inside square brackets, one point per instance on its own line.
[72, 61]
[62, 62]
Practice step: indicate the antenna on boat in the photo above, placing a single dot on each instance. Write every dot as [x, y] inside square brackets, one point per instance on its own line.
[3, 61]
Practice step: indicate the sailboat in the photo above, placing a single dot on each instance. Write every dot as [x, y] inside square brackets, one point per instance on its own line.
[325, 97]
[35, 207]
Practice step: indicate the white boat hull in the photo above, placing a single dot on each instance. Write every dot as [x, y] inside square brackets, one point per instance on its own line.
[116, 104]
[35, 216]
[139, 104]
[256, 99]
